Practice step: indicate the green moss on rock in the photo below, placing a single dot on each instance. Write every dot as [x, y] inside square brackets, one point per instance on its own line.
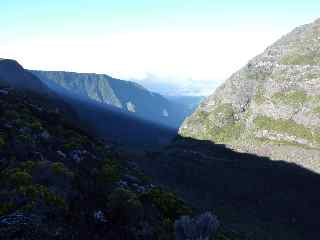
[300, 59]
[316, 110]
[292, 98]
[222, 115]
[259, 97]
[229, 133]
[284, 126]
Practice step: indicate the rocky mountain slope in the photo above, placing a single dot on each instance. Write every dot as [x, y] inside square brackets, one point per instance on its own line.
[272, 105]
[128, 96]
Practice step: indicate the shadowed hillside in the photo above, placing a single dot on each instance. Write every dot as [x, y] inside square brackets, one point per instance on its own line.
[128, 96]
[105, 121]
[254, 196]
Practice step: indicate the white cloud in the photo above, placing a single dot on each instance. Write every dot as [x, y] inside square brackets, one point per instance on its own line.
[174, 55]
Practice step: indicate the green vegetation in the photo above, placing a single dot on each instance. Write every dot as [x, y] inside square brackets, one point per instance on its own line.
[259, 97]
[126, 206]
[229, 133]
[222, 115]
[316, 110]
[35, 125]
[41, 193]
[300, 59]
[11, 115]
[59, 168]
[286, 126]
[24, 138]
[312, 75]
[167, 202]
[2, 141]
[109, 173]
[20, 178]
[293, 98]
[6, 208]
[28, 166]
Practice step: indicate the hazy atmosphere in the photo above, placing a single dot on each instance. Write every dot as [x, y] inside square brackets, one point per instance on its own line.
[159, 120]
[189, 44]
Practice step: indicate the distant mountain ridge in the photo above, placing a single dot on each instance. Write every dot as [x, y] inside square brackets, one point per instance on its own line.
[126, 95]
[12, 73]
[101, 120]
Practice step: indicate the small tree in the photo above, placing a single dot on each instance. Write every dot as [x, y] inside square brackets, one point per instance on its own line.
[202, 227]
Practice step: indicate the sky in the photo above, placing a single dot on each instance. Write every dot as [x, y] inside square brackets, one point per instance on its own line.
[190, 42]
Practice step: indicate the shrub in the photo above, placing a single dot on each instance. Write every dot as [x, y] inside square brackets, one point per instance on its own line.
[42, 193]
[282, 125]
[28, 166]
[2, 142]
[11, 115]
[293, 98]
[124, 206]
[6, 208]
[222, 115]
[300, 59]
[202, 227]
[109, 173]
[36, 125]
[315, 110]
[58, 168]
[24, 138]
[167, 203]
[20, 178]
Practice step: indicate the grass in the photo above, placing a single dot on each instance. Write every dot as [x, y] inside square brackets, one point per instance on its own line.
[292, 98]
[286, 126]
[300, 59]
[223, 114]
[316, 110]
[259, 98]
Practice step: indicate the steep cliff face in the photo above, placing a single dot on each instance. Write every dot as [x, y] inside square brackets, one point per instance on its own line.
[272, 105]
[128, 96]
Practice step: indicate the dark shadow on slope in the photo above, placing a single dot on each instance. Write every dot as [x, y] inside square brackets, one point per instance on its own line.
[131, 97]
[115, 124]
[254, 196]
[100, 120]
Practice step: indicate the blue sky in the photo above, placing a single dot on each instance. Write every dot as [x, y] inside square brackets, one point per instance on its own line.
[175, 40]
[94, 16]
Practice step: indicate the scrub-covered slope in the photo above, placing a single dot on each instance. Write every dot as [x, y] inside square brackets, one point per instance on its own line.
[272, 105]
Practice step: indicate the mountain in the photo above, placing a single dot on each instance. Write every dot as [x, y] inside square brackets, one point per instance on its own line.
[271, 106]
[115, 124]
[128, 96]
[12, 74]
[59, 180]
[105, 121]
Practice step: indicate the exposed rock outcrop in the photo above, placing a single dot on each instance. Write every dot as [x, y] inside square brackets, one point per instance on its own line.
[272, 105]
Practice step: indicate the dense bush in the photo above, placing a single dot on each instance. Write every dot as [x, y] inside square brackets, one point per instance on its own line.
[168, 203]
